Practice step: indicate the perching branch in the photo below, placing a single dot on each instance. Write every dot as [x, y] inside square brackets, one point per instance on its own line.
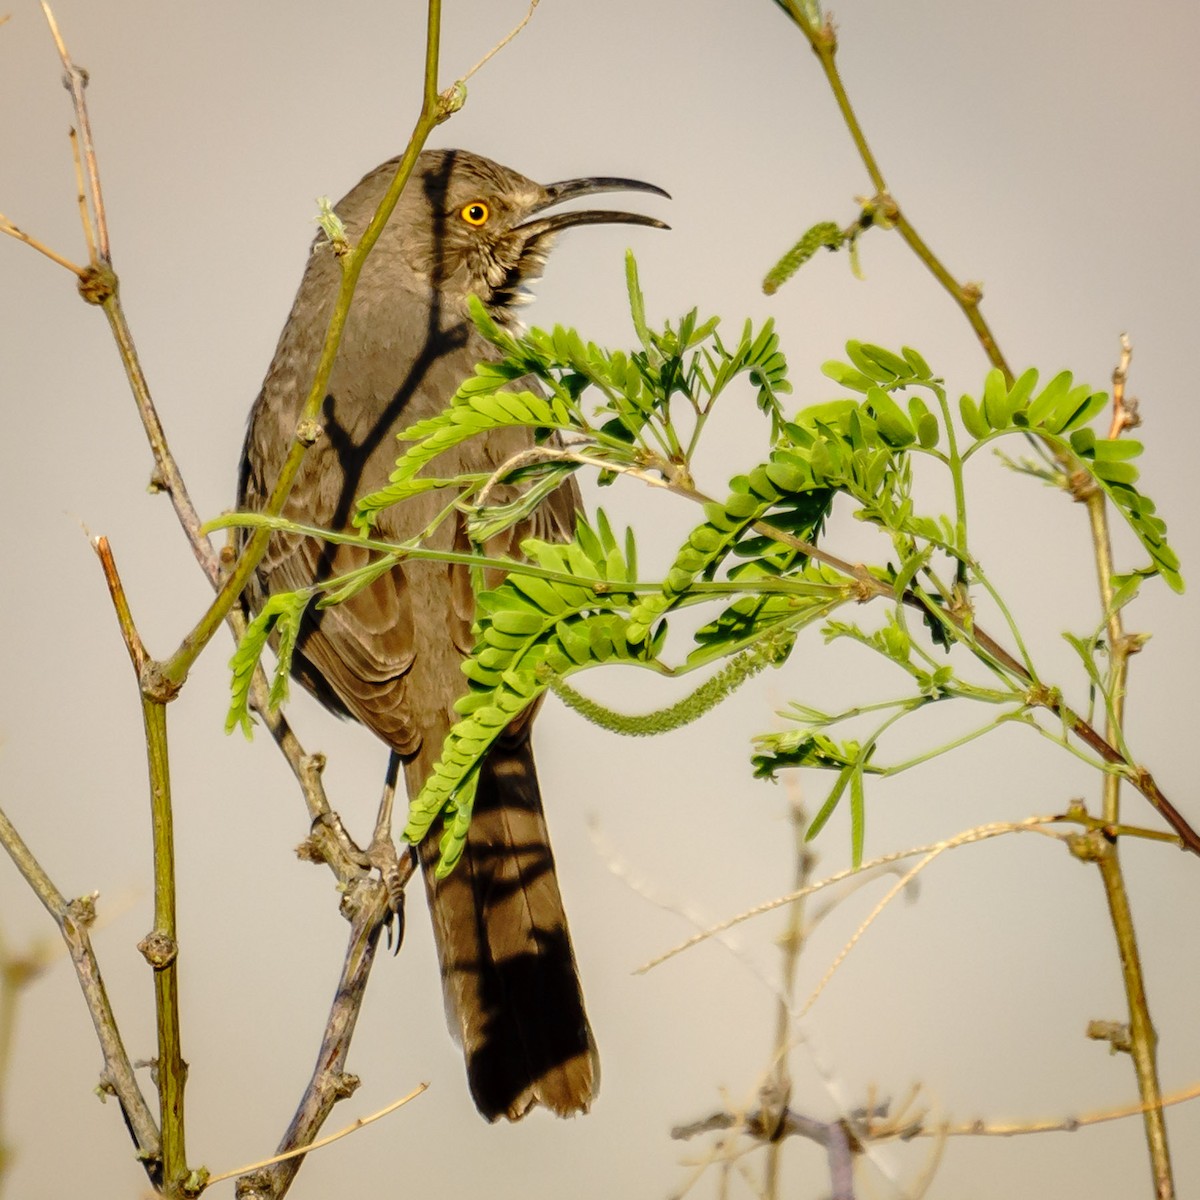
[369, 906]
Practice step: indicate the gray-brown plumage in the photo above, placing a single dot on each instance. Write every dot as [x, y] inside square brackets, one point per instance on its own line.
[390, 657]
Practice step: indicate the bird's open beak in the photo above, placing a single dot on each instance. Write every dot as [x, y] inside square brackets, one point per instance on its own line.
[572, 189]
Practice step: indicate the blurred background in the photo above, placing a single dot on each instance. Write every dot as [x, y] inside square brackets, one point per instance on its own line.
[1044, 150]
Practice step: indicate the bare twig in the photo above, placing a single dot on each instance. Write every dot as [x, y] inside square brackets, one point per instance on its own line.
[1062, 1125]
[116, 590]
[6, 226]
[75, 81]
[1125, 413]
[462, 79]
[320, 1143]
[73, 919]
[968, 837]
[85, 216]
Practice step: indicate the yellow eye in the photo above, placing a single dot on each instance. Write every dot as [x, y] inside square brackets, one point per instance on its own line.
[475, 213]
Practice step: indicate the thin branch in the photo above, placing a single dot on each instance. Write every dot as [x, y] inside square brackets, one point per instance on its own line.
[1125, 414]
[6, 226]
[500, 44]
[979, 834]
[73, 919]
[823, 41]
[116, 590]
[370, 910]
[1063, 1125]
[320, 1143]
[76, 81]
[160, 947]
[85, 216]
[883, 208]
[1142, 1034]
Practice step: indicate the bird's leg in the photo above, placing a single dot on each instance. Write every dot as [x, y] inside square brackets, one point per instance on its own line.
[382, 854]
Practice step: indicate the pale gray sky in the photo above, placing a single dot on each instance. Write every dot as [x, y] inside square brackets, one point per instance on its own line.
[1046, 150]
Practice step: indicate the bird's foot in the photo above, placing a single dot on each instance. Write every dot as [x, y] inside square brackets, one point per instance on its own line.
[395, 871]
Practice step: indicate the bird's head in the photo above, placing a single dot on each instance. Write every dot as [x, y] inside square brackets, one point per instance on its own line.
[473, 227]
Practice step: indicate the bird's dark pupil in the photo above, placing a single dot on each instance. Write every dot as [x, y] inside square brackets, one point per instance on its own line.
[476, 212]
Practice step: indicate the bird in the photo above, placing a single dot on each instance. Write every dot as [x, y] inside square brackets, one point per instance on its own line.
[390, 657]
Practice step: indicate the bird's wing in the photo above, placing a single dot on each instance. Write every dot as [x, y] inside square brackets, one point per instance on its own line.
[404, 635]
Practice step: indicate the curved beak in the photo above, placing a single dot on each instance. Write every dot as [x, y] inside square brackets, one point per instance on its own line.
[573, 189]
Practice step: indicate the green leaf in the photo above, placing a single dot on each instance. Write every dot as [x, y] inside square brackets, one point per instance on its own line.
[919, 368]
[847, 376]
[858, 814]
[996, 410]
[471, 412]
[1021, 391]
[874, 362]
[972, 419]
[831, 802]
[894, 426]
[282, 612]
[1049, 398]
[526, 629]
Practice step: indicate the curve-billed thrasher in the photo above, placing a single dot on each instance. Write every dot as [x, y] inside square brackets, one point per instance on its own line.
[390, 657]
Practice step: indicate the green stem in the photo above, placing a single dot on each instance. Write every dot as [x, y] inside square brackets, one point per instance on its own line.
[702, 587]
[161, 950]
[955, 465]
[433, 110]
[1009, 620]
[937, 751]
[823, 41]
